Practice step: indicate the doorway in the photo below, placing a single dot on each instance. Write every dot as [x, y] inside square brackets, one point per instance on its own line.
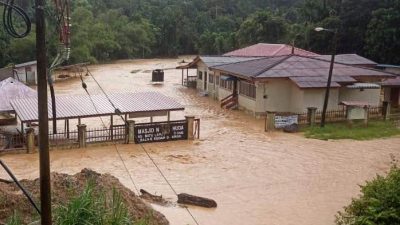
[394, 97]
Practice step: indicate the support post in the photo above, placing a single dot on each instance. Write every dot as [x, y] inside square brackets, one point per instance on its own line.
[130, 137]
[270, 121]
[182, 77]
[30, 140]
[386, 110]
[67, 128]
[44, 156]
[311, 115]
[168, 116]
[82, 135]
[112, 128]
[190, 130]
[151, 119]
[187, 76]
[366, 115]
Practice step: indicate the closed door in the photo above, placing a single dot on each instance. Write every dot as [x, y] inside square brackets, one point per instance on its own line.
[394, 97]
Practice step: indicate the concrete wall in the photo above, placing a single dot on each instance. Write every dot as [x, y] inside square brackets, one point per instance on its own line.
[315, 98]
[278, 95]
[203, 68]
[372, 96]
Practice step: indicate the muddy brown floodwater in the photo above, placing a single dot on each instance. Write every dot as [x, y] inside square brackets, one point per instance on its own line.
[256, 178]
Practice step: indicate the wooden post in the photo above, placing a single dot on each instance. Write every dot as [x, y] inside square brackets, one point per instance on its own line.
[168, 116]
[190, 130]
[82, 135]
[22, 127]
[67, 128]
[182, 77]
[79, 121]
[151, 119]
[30, 140]
[187, 76]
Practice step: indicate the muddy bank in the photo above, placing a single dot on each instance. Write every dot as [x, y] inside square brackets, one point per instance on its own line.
[64, 187]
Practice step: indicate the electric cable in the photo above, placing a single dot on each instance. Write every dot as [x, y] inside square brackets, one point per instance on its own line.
[8, 21]
[84, 85]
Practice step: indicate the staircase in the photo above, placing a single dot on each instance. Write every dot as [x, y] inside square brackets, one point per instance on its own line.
[230, 102]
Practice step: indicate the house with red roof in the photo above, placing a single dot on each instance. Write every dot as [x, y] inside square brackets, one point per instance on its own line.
[281, 78]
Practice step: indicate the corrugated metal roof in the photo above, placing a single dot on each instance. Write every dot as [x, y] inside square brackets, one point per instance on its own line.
[298, 66]
[313, 82]
[392, 82]
[265, 49]
[69, 107]
[11, 89]
[26, 64]
[349, 59]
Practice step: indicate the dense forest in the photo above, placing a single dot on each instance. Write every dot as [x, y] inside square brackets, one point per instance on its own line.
[105, 30]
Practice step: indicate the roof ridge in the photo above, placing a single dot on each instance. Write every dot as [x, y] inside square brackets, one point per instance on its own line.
[273, 65]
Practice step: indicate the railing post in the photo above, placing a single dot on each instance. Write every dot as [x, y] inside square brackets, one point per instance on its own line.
[386, 110]
[190, 130]
[130, 136]
[270, 121]
[82, 135]
[30, 140]
[311, 115]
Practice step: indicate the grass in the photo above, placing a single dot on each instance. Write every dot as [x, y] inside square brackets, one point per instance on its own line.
[375, 129]
[91, 208]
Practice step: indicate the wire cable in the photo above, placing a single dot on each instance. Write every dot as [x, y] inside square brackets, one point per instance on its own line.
[8, 22]
[143, 148]
[84, 86]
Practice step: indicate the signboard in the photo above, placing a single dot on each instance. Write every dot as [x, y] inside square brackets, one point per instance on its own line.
[283, 121]
[160, 132]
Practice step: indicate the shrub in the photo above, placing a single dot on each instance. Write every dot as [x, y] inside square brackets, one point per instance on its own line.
[379, 202]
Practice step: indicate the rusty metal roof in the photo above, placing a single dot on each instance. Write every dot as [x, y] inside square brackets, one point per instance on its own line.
[70, 107]
[392, 82]
[12, 89]
[265, 49]
[293, 66]
[349, 59]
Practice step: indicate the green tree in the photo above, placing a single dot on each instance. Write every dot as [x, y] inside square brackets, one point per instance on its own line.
[383, 35]
[262, 27]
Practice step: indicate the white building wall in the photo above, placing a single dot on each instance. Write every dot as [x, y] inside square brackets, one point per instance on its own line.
[315, 98]
[278, 95]
[297, 100]
[372, 96]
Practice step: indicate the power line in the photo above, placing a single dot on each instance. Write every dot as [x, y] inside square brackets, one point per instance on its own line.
[8, 21]
[148, 155]
[84, 86]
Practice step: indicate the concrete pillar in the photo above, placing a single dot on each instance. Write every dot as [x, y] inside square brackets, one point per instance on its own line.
[311, 115]
[82, 135]
[130, 135]
[270, 121]
[366, 115]
[190, 130]
[30, 140]
[386, 110]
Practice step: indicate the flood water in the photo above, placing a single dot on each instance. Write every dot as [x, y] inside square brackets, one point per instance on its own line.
[256, 177]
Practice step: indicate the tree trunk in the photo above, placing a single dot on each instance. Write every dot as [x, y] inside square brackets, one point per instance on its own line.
[197, 201]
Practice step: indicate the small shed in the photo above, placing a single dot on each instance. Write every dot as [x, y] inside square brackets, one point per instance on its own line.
[356, 110]
[26, 72]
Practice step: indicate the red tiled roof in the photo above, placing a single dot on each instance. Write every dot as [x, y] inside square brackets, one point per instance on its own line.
[306, 72]
[264, 49]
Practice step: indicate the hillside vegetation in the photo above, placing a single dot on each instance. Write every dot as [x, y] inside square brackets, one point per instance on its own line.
[106, 30]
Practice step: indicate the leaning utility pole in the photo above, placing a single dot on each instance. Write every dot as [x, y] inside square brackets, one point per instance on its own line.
[44, 157]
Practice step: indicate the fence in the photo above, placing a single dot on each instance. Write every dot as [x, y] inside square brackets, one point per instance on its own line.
[10, 142]
[115, 133]
[339, 115]
[61, 139]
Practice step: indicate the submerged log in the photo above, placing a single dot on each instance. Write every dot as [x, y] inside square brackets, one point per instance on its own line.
[196, 200]
[157, 199]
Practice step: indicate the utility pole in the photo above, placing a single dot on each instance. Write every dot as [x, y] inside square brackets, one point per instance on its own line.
[44, 157]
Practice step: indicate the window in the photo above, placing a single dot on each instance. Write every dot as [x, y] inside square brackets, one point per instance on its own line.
[205, 76]
[217, 80]
[200, 75]
[247, 89]
[211, 78]
[227, 84]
